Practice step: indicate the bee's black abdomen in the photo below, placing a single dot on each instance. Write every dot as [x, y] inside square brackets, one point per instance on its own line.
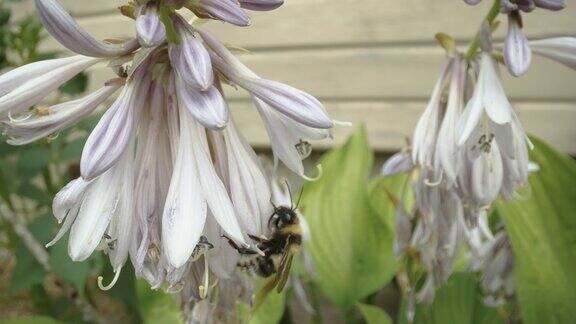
[266, 267]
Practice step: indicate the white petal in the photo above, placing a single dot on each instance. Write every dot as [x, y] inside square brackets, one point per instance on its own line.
[487, 175]
[494, 99]
[471, 115]
[150, 30]
[66, 31]
[191, 61]
[447, 147]
[60, 116]
[70, 218]
[185, 208]
[99, 204]
[121, 224]
[398, 163]
[560, 49]
[249, 189]
[289, 101]
[281, 139]
[425, 133]
[68, 197]
[34, 90]
[517, 53]
[208, 107]
[213, 189]
[111, 136]
[16, 77]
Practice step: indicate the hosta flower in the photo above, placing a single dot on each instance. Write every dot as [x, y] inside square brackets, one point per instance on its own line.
[468, 150]
[517, 50]
[166, 177]
[149, 29]
[559, 49]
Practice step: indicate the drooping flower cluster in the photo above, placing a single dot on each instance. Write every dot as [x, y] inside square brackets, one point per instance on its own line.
[468, 150]
[235, 288]
[517, 51]
[165, 174]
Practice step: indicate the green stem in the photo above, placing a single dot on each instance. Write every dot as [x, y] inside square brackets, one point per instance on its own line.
[490, 17]
[48, 181]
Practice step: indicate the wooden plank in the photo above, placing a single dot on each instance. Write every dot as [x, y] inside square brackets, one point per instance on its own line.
[403, 72]
[389, 123]
[346, 22]
[78, 8]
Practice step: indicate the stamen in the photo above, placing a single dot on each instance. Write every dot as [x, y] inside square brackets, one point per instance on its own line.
[317, 177]
[430, 183]
[116, 276]
[342, 123]
[14, 120]
[205, 287]
[52, 137]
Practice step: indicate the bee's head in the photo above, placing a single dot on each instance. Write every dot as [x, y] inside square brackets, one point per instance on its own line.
[282, 217]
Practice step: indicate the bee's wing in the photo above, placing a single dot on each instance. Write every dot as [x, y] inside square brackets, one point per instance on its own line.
[264, 291]
[285, 265]
[284, 273]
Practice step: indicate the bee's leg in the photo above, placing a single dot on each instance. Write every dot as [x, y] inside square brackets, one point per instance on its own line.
[241, 250]
[259, 239]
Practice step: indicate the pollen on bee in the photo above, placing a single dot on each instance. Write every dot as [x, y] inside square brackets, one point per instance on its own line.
[42, 111]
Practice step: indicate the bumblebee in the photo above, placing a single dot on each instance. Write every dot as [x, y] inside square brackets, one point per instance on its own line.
[273, 256]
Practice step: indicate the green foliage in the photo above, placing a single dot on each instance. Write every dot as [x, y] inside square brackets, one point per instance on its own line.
[351, 243]
[458, 301]
[542, 231]
[31, 320]
[157, 306]
[374, 314]
[271, 310]
[76, 273]
[28, 272]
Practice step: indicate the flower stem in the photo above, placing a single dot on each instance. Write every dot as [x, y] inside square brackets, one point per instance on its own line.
[490, 17]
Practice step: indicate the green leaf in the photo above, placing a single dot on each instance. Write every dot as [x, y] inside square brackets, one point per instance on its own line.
[31, 191]
[271, 310]
[374, 314]
[350, 242]
[31, 320]
[125, 290]
[73, 150]
[28, 272]
[157, 306]
[33, 160]
[77, 85]
[74, 272]
[542, 230]
[457, 301]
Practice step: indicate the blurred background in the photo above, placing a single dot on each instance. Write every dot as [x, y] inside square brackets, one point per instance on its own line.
[371, 62]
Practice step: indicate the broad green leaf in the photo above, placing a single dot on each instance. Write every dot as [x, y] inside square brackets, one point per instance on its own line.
[457, 301]
[31, 191]
[542, 230]
[33, 160]
[28, 272]
[76, 86]
[271, 310]
[351, 243]
[74, 272]
[125, 290]
[157, 306]
[374, 314]
[31, 320]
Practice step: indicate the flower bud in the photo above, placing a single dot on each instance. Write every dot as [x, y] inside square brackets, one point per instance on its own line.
[68, 33]
[517, 53]
[261, 5]
[151, 31]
